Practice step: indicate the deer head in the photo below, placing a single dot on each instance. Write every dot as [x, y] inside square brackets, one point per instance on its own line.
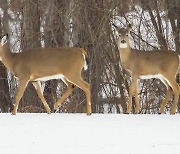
[123, 34]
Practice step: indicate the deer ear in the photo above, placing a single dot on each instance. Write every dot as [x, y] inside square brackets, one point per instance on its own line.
[4, 39]
[130, 25]
[115, 26]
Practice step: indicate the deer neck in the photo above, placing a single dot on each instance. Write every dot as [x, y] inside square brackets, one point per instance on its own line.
[7, 58]
[125, 54]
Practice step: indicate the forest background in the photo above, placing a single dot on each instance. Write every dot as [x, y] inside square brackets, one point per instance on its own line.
[88, 24]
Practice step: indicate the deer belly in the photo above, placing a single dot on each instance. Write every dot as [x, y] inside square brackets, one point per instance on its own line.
[46, 78]
[158, 76]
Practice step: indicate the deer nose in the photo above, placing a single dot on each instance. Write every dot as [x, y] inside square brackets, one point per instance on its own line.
[123, 41]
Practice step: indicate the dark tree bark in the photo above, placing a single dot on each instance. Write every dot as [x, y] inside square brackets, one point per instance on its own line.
[5, 98]
[56, 25]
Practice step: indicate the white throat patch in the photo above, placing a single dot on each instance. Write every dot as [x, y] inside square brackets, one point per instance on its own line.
[123, 45]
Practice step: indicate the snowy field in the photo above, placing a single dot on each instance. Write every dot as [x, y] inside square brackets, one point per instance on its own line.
[96, 134]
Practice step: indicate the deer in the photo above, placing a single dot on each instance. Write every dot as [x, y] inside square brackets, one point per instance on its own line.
[42, 64]
[162, 64]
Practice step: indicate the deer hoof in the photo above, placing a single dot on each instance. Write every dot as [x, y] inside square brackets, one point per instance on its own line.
[13, 113]
[88, 114]
[49, 112]
[172, 113]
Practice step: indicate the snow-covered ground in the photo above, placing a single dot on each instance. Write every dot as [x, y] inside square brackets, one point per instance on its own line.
[96, 134]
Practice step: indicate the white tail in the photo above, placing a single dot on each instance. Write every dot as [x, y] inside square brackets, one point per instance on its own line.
[85, 61]
[162, 64]
[41, 64]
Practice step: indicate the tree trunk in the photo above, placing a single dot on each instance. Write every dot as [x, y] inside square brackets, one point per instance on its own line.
[5, 99]
[56, 25]
[30, 102]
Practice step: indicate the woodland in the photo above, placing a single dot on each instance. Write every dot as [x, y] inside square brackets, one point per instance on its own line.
[88, 24]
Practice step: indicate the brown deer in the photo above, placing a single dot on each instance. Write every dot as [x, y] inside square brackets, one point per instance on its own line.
[42, 64]
[161, 64]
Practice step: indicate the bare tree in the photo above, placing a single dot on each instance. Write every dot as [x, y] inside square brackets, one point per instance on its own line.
[88, 24]
[30, 38]
[5, 98]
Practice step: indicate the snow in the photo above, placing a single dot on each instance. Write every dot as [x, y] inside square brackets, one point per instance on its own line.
[37, 133]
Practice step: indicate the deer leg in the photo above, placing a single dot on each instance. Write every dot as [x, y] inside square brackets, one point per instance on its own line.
[69, 90]
[168, 95]
[37, 86]
[132, 89]
[137, 99]
[175, 88]
[20, 91]
[86, 88]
